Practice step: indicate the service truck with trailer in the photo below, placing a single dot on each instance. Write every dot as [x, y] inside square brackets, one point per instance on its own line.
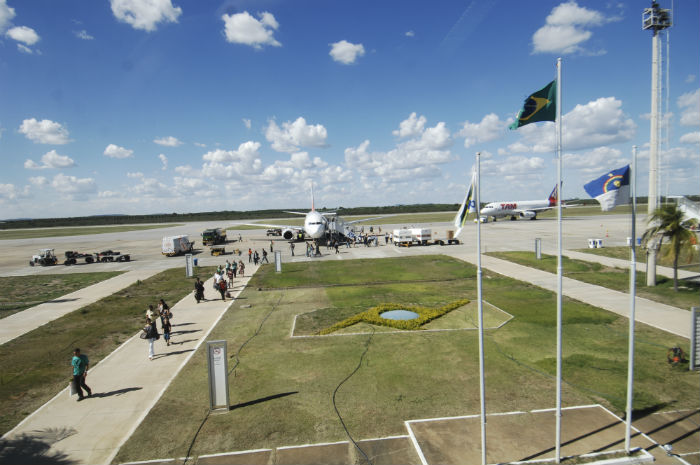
[176, 245]
[420, 236]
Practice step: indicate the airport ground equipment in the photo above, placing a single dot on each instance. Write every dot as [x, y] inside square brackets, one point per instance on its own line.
[72, 257]
[216, 251]
[46, 257]
[112, 256]
[274, 232]
[214, 236]
[421, 236]
[176, 245]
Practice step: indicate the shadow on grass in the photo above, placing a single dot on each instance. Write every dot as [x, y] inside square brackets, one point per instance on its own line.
[262, 399]
[118, 392]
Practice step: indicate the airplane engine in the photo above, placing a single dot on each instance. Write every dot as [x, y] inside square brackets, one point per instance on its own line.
[288, 234]
[528, 215]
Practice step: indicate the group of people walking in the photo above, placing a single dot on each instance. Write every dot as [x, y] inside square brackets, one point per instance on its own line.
[257, 258]
[150, 330]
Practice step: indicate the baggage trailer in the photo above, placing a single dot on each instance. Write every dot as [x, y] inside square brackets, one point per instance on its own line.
[414, 236]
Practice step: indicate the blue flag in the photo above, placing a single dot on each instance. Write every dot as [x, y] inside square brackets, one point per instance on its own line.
[611, 189]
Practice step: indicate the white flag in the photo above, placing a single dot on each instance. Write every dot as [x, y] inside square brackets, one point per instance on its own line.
[468, 206]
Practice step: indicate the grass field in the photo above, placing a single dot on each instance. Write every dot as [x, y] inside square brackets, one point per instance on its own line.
[282, 387]
[20, 292]
[82, 231]
[36, 365]
[612, 278]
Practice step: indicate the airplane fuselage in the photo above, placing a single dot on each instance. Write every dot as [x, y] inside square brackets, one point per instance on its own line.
[523, 209]
[315, 224]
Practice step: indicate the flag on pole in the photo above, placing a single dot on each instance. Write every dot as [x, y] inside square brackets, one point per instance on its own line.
[611, 189]
[540, 106]
[468, 206]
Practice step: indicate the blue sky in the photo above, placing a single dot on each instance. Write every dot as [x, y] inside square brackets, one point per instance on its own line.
[146, 106]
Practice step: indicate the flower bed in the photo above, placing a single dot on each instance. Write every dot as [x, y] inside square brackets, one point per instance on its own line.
[373, 316]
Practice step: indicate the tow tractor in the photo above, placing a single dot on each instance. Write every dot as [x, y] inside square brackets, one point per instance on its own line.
[46, 257]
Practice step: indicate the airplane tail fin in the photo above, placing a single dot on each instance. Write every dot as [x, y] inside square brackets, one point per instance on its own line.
[312, 197]
[553, 197]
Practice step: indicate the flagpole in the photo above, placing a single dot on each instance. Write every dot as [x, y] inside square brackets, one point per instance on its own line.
[482, 387]
[559, 265]
[633, 292]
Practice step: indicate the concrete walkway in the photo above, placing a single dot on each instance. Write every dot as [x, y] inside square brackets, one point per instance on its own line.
[27, 320]
[125, 386]
[625, 264]
[671, 319]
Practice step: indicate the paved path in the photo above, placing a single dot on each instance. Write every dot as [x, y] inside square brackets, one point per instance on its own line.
[671, 319]
[125, 385]
[617, 262]
[27, 320]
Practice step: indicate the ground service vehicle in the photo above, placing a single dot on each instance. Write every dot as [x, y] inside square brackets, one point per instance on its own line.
[72, 257]
[214, 236]
[175, 245]
[46, 257]
[112, 256]
[216, 251]
[274, 232]
[413, 236]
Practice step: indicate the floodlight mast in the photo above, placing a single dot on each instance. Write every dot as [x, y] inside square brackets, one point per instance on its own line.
[655, 19]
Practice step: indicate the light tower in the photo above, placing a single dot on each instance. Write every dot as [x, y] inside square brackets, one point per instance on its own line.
[655, 19]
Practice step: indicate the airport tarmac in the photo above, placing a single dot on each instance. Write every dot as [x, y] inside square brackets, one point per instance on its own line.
[144, 246]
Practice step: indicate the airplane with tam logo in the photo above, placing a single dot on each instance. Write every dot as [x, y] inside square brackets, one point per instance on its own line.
[518, 209]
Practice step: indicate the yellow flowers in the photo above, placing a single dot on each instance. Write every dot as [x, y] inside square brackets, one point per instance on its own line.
[372, 316]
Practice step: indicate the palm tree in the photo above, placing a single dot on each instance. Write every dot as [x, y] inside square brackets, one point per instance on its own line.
[667, 223]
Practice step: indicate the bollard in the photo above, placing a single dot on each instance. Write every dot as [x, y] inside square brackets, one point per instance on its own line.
[538, 248]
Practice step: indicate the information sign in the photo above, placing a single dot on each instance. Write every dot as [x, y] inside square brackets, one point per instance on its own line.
[217, 361]
[189, 265]
[695, 339]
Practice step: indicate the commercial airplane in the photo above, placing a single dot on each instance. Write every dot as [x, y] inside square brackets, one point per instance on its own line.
[316, 225]
[524, 209]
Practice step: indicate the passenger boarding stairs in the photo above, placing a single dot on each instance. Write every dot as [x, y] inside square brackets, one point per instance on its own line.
[690, 209]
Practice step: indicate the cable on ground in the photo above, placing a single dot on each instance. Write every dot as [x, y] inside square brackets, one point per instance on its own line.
[347, 432]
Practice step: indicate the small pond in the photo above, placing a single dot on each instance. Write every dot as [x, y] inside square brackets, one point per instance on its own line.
[399, 315]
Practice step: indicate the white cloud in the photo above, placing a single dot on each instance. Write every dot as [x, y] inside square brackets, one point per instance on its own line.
[293, 135]
[596, 161]
[114, 151]
[345, 52]
[73, 187]
[598, 123]
[50, 160]
[145, 14]
[490, 128]
[411, 126]
[6, 15]
[242, 28]
[227, 164]
[689, 103]
[44, 131]
[83, 34]
[199, 144]
[8, 192]
[566, 28]
[24, 49]
[38, 181]
[691, 138]
[24, 34]
[164, 161]
[185, 170]
[148, 187]
[414, 158]
[410, 34]
[169, 141]
[512, 166]
[690, 78]
[247, 123]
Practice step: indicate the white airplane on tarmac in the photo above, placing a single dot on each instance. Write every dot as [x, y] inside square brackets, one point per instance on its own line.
[515, 209]
[316, 225]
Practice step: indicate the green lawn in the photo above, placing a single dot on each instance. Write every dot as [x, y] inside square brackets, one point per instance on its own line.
[612, 278]
[81, 231]
[20, 292]
[282, 387]
[36, 365]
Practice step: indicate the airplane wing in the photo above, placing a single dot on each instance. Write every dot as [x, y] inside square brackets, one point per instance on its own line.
[364, 219]
[295, 213]
[277, 226]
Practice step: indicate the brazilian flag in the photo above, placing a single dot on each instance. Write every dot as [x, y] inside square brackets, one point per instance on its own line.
[540, 106]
